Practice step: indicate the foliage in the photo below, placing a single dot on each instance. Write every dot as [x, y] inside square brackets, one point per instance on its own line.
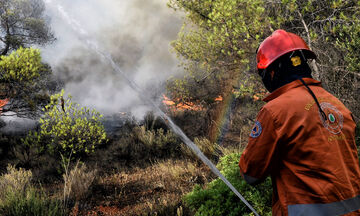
[18, 197]
[67, 130]
[219, 39]
[22, 65]
[156, 142]
[23, 23]
[218, 199]
[216, 43]
[24, 79]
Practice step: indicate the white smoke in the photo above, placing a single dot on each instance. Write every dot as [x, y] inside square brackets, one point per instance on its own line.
[137, 33]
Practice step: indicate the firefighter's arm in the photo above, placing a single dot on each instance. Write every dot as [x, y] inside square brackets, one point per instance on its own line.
[259, 157]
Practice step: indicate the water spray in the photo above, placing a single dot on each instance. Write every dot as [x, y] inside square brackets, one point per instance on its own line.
[84, 36]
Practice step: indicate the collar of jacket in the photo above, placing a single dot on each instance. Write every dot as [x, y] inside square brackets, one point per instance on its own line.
[287, 87]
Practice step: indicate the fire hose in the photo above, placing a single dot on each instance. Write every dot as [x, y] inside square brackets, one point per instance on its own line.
[84, 36]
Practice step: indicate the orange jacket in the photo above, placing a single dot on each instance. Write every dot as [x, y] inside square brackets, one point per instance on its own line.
[313, 163]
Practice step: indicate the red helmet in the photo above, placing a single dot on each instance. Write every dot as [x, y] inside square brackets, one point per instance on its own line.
[278, 44]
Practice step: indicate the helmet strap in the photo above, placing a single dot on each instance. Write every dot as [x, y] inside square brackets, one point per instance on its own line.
[316, 100]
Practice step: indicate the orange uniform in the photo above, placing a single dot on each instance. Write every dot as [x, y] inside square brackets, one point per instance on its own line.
[312, 161]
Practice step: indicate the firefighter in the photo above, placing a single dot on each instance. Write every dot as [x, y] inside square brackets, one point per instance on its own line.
[304, 137]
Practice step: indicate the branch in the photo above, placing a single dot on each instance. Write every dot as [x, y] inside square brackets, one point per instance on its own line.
[195, 10]
[306, 28]
[313, 63]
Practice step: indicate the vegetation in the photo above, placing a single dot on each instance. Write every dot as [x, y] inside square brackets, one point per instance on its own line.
[23, 23]
[142, 168]
[217, 199]
[77, 183]
[24, 80]
[18, 197]
[67, 131]
[219, 39]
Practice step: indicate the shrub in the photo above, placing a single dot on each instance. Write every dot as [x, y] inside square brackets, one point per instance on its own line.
[158, 143]
[14, 180]
[209, 149]
[67, 130]
[77, 182]
[18, 197]
[218, 199]
[31, 203]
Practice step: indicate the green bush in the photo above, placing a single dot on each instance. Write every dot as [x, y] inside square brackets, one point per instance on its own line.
[18, 197]
[217, 199]
[67, 130]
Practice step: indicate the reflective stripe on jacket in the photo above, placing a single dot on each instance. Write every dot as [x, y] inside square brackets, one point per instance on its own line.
[313, 162]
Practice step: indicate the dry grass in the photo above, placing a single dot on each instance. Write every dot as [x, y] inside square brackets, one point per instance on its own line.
[155, 190]
[15, 180]
[77, 182]
[209, 149]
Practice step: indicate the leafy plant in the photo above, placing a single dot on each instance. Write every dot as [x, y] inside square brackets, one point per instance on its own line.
[217, 199]
[22, 65]
[67, 130]
[24, 81]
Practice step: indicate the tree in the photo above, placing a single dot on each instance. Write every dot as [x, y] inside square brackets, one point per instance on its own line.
[331, 28]
[25, 80]
[217, 42]
[23, 23]
[219, 39]
[217, 45]
[67, 130]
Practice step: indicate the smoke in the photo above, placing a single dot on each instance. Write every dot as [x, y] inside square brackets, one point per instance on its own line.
[137, 33]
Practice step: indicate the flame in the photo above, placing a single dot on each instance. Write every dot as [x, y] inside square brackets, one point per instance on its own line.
[256, 98]
[219, 98]
[167, 101]
[180, 106]
[3, 103]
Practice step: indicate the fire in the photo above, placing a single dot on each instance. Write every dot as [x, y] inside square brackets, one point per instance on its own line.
[3, 103]
[180, 106]
[167, 101]
[256, 98]
[219, 98]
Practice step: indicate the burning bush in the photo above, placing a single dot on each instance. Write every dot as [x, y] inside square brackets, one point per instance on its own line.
[67, 130]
